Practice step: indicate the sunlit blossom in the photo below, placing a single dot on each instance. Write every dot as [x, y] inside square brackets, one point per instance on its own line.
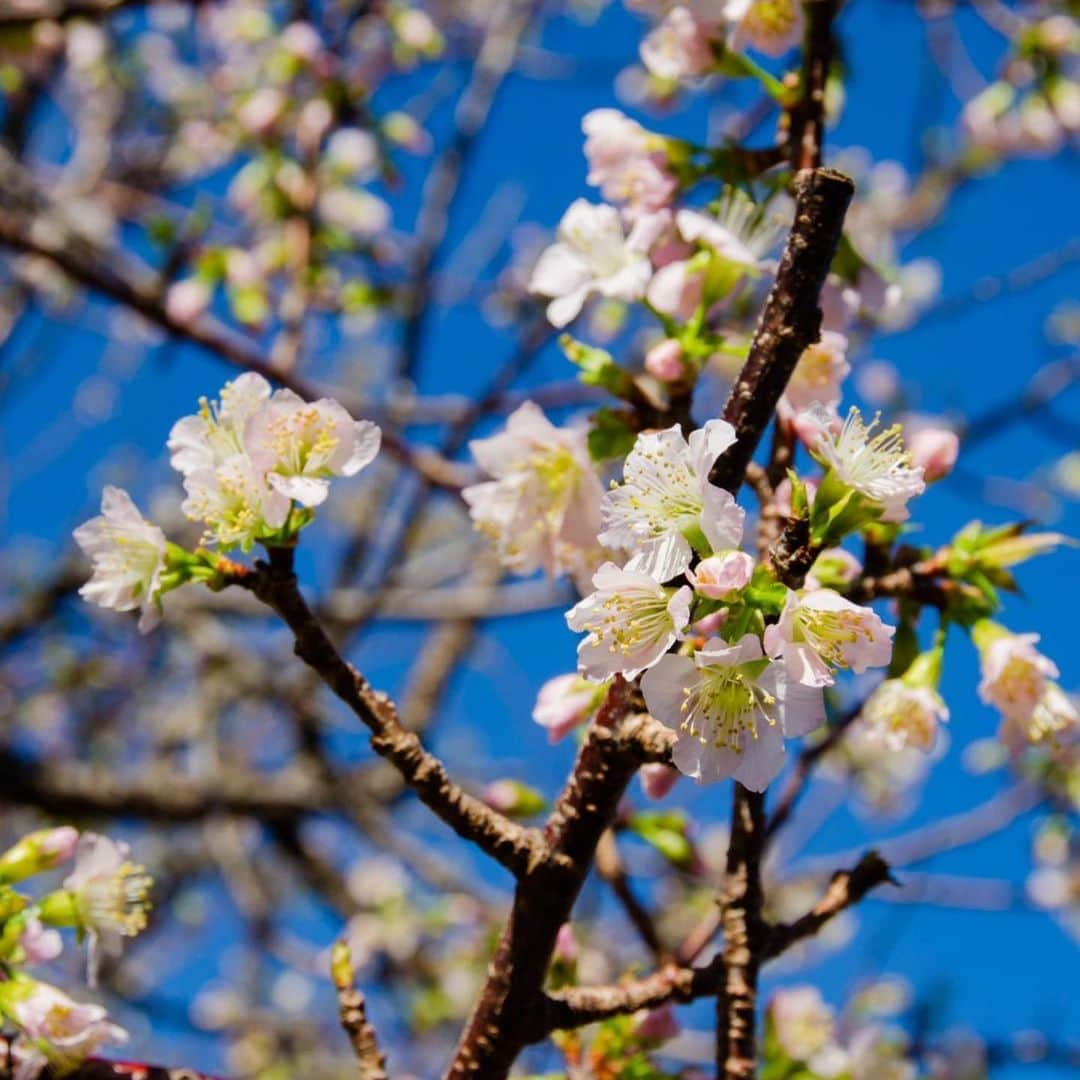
[593, 255]
[665, 506]
[820, 631]
[128, 554]
[631, 621]
[542, 509]
[731, 710]
[111, 895]
[877, 466]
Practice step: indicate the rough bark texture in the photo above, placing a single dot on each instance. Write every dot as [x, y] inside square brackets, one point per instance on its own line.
[790, 322]
[517, 848]
[791, 319]
[510, 1014]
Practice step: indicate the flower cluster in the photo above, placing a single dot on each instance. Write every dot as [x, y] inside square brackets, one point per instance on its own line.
[804, 1035]
[255, 465]
[104, 898]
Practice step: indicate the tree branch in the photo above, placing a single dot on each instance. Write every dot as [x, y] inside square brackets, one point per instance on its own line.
[512, 845]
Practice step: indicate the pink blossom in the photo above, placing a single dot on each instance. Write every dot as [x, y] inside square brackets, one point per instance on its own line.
[566, 948]
[1014, 674]
[593, 254]
[822, 630]
[730, 715]
[262, 110]
[676, 289]
[631, 621]
[664, 361]
[817, 376]
[57, 1031]
[899, 715]
[658, 1025]
[770, 26]
[657, 779]
[59, 843]
[680, 47]
[721, 574]
[186, 300]
[39, 943]
[627, 163]
[564, 703]
[834, 566]
[542, 509]
[934, 449]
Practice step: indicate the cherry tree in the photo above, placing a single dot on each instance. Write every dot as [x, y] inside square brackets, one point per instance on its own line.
[736, 544]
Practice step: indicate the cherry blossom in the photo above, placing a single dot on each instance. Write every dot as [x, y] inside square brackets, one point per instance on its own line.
[821, 369]
[718, 575]
[666, 507]
[878, 467]
[110, 896]
[54, 1030]
[731, 710]
[1014, 673]
[934, 450]
[306, 443]
[128, 555]
[901, 715]
[805, 1027]
[770, 26]
[564, 703]
[594, 255]
[542, 510]
[627, 163]
[820, 630]
[680, 46]
[631, 621]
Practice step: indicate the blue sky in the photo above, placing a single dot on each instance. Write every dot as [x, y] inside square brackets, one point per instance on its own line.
[1003, 970]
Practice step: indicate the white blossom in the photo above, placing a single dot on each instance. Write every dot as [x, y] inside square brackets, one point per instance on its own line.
[731, 710]
[666, 505]
[111, 895]
[770, 26]
[878, 466]
[594, 254]
[542, 510]
[56, 1031]
[899, 715]
[631, 621]
[128, 554]
[821, 630]
[305, 443]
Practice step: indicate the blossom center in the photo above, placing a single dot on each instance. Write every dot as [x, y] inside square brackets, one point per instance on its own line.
[722, 705]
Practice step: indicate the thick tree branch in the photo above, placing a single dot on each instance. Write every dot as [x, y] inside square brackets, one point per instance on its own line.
[789, 323]
[791, 319]
[510, 1014]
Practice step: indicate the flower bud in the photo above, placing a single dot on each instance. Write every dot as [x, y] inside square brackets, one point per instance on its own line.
[38, 852]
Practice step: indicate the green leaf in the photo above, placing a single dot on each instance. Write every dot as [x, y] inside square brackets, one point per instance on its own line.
[612, 435]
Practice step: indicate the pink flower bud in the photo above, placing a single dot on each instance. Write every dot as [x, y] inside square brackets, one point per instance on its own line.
[500, 795]
[566, 948]
[659, 1024]
[718, 575]
[60, 843]
[563, 703]
[658, 779]
[935, 449]
[664, 361]
[186, 300]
